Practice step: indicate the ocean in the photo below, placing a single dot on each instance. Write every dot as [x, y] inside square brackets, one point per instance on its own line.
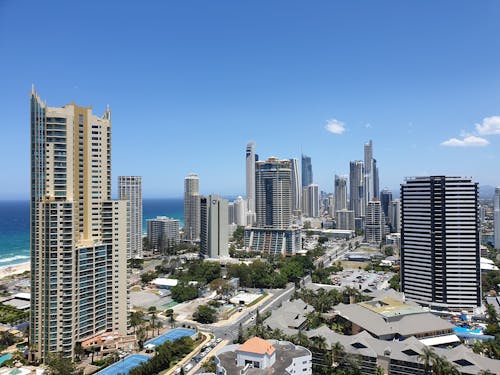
[15, 225]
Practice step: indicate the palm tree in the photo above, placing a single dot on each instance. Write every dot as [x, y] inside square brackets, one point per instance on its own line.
[319, 343]
[427, 358]
[338, 352]
[170, 314]
[142, 336]
[136, 319]
[152, 313]
[441, 366]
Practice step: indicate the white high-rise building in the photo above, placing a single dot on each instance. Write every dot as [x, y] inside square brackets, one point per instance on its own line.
[240, 212]
[79, 236]
[357, 188]
[496, 217]
[369, 172]
[374, 224]
[214, 227]
[345, 219]
[130, 189]
[250, 160]
[340, 193]
[192, 207]
[310, 198]
[163, 233]
[440, 259]
[296, 185]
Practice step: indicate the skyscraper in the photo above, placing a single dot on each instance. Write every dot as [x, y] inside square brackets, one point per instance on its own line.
[310, 197]
[440, 264]
[307, 173]
[240, 212]
[192, 207]
[376, 188]
[395, 215]
[130, 189]
[214, 227]
[385, 200]
[250, 176]
[357, 188]
[369, 180]
[340, 193]
[296, 185]
[273, 193]
[496, 217]
[78, 234]
[374, 222]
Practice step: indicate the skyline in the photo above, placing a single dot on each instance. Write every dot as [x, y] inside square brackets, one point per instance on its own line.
[190, 86]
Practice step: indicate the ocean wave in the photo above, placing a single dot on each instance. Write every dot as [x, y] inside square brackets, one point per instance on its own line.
[11, 259]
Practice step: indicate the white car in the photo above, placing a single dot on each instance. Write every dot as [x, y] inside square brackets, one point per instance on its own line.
[188, 367]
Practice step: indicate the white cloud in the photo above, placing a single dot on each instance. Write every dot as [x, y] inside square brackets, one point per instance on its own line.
[335, 126]
[368, 126]
[490, 125]
[468, 141]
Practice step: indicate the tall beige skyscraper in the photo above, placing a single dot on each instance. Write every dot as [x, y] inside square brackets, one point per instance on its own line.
[130, 189]
[78, 234]
[192, 207]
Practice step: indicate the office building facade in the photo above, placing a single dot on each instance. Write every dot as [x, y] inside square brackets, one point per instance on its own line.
[130, 189]
[440, 259]
[214, 227]
[79, 236]
[192, 207]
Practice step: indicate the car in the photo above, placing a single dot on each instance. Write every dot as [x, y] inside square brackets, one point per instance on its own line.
[178, 371]
[188, 367]
[218, 340]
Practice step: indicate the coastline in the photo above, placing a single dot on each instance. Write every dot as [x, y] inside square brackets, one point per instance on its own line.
[14, 269]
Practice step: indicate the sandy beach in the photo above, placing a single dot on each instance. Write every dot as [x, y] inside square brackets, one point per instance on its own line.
[14, 269]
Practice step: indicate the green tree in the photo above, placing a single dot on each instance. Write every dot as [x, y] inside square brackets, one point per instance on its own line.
[182, 292]
[205, 314]
[153, 315]
[427, 358]
[136, 319]
[58, 365]
[241, 335]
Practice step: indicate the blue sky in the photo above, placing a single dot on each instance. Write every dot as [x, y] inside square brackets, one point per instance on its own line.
[189, 83]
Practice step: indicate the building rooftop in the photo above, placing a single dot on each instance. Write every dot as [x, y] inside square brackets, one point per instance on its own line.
[258, 346]
[285, 353]
[291, 316]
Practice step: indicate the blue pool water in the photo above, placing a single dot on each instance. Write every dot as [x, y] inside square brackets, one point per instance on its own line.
[4, 358]
[123, 366]
[467, 330]
[172, 335]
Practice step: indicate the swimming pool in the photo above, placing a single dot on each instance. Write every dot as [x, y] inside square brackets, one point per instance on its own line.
[468, 330]
[172, 335]
[4, 358]
[123, 366]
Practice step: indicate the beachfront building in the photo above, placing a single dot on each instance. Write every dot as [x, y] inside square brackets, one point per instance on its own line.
[130, 189]
[192, 207]
[163, 233]
[79, 236]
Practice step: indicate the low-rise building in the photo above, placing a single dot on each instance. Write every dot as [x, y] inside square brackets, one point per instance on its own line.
[402, 357]
[290, 317]
[273, 241]
[390, 319]
[257, 356]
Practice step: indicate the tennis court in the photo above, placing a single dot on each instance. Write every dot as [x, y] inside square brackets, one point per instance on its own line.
[123, 366]
[172, 335]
